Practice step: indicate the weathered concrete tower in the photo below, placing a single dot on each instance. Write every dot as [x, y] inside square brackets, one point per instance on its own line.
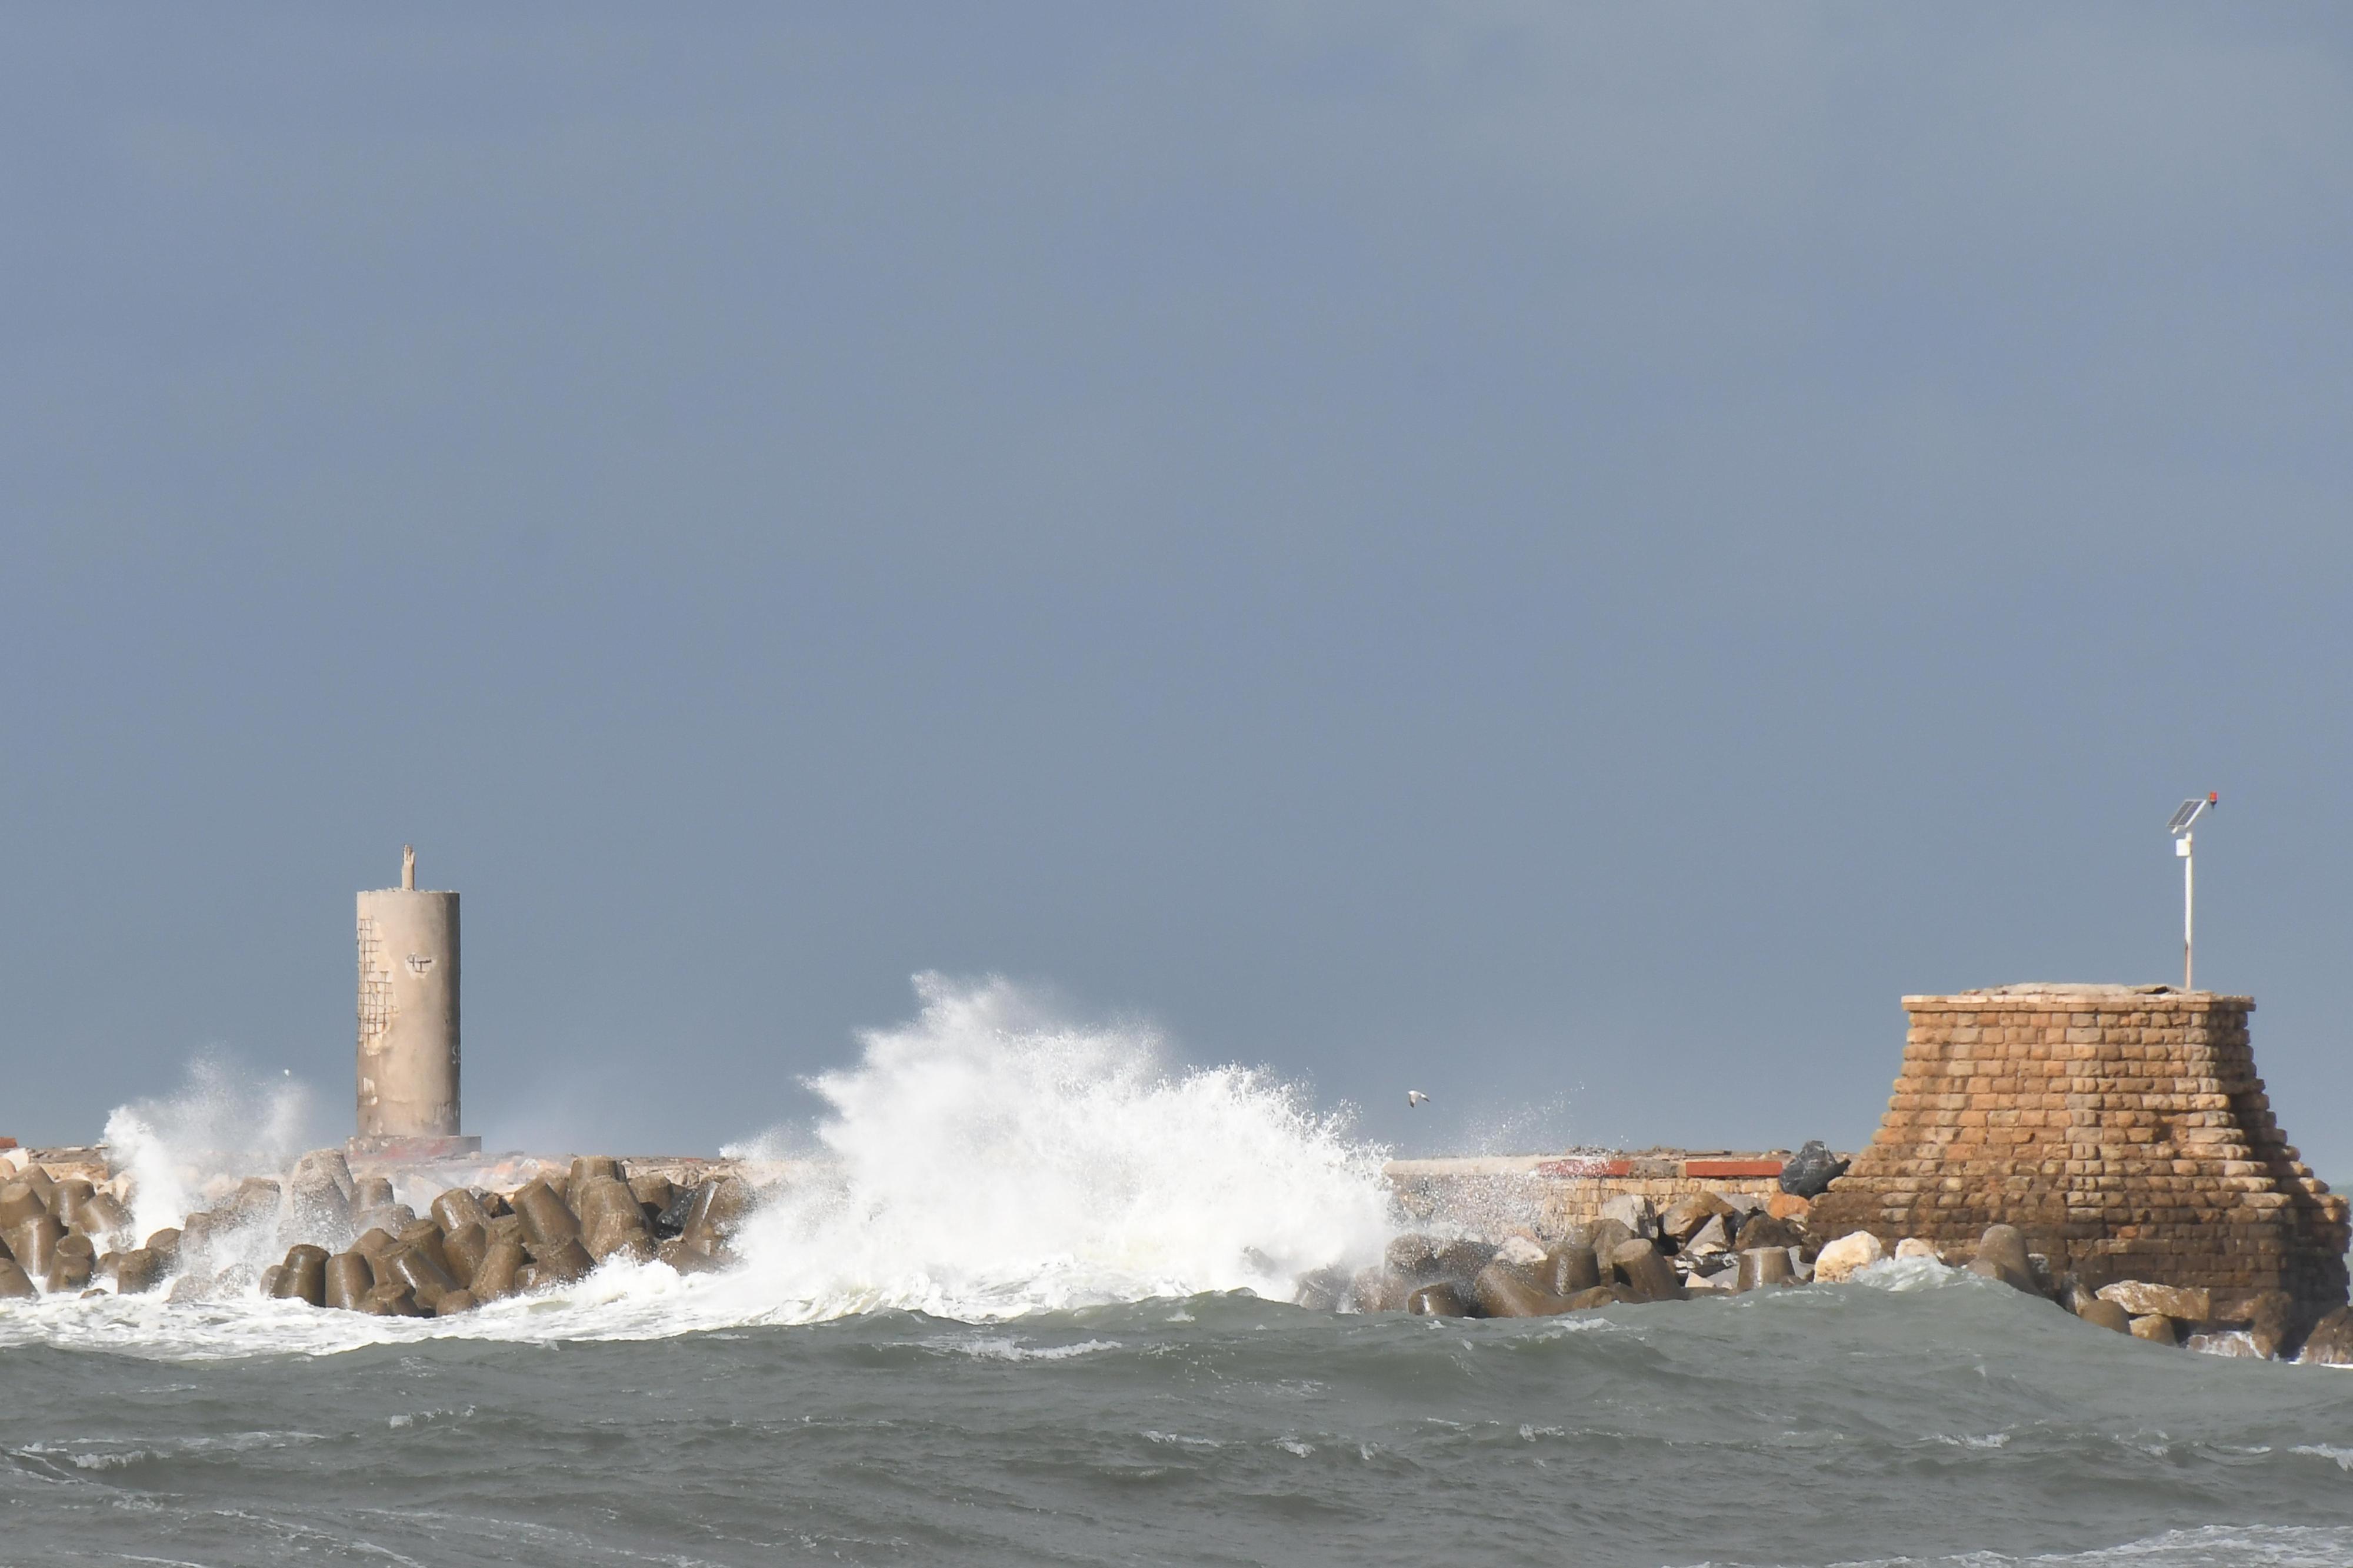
[408, 1021]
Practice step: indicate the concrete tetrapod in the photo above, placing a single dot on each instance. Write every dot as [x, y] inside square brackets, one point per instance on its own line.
[1570, 1268]
[350, 1275]
[303, 1276]
[546, 1218]
[137, 1271]
[464, 1250]
[495, 1276]
[35, 1243]
[456, 1209]
[427, 1281]
[1647, 1271]
[71, 1264]
[1443, 1300]
[15, 1283]
[1505, 1290]
[1765, 1266]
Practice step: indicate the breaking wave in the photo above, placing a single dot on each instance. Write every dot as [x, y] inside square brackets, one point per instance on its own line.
[986, 1160]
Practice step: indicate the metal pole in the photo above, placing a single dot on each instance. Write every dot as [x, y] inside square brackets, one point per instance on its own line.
[2189, 903]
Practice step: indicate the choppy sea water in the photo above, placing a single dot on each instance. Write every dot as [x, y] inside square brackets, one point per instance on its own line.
[1932, 1418]
[1019, 1309]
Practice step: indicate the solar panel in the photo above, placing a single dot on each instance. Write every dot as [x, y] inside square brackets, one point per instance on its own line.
[2181, 817]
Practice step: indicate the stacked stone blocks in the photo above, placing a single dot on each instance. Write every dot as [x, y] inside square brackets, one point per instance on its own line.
[2122, 1129]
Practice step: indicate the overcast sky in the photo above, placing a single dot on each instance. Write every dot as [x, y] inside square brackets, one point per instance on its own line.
[1565, 558]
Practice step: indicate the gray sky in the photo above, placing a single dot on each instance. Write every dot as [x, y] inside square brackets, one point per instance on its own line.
[1565, 558]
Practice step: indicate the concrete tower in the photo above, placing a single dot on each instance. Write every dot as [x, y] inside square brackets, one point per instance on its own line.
[409, 1020]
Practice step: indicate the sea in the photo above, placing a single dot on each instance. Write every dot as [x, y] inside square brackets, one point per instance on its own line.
[1030, 1305]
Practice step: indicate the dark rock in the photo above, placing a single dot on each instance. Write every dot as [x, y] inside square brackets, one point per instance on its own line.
[2270, 1321]
[1811, 1171]
[2330, 1343]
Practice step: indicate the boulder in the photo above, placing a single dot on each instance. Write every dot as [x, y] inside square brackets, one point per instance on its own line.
[1686, 1216]
[1912, 1247]
[1443, 1299]
[1634, 1211]
[1846, 1257]
[1710, 1240]
[2156, 1328]
[1810, 1172]
[1646, 1271]
[2270, 1322]
[2107, 1314]
[2330, 1343]
[2190, 1304]
[1789, 1205]
[1520, 1251]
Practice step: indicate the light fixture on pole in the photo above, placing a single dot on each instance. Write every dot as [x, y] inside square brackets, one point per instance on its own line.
[2191, 810]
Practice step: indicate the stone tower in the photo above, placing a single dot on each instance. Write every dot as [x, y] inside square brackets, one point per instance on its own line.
[408, 1021]
[2121, 1128]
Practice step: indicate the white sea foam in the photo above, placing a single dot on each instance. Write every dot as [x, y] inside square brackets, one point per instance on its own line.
[983, 1161]
[222, 1124]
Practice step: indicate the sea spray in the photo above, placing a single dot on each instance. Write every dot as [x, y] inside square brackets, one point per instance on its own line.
[989, 1159]
[222, 1124]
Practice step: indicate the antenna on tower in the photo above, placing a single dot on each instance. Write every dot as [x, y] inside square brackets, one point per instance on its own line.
[2188, 813]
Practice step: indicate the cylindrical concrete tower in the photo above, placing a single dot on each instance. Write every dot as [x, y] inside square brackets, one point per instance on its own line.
[409, 1016]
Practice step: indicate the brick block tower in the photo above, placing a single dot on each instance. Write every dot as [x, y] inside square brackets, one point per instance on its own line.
[2121, 1128]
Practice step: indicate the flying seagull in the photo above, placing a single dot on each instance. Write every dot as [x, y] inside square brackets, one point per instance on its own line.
[1414, 1096]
